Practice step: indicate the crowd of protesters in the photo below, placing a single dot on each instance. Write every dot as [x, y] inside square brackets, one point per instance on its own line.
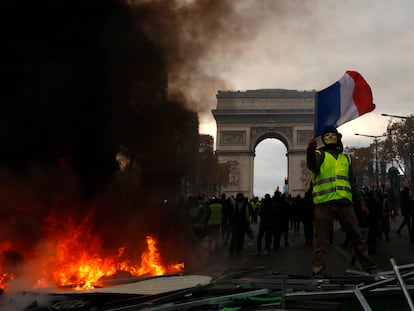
[227, 221]
[274, 215]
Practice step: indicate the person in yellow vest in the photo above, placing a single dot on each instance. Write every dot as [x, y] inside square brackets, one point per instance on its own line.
[214, 223]
[334, 190]
[255, 204]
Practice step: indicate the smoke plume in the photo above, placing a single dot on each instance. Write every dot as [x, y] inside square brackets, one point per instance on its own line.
[82, 81]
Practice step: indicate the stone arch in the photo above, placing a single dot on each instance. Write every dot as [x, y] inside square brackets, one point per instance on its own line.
[246, 118]
[263, 134]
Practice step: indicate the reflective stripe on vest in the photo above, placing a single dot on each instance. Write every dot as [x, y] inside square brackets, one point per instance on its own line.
[332, 182]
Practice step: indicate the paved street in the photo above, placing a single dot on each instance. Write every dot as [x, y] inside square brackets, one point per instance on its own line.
[295, 260]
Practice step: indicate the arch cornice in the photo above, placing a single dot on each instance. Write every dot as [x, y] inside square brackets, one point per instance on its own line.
[234, 153]
[259, 134]
[263, 116]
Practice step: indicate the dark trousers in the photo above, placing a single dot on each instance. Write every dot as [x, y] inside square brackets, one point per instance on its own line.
[324, 218]
[237, 239]
[267, 233]
[225, 231]
[308, 231]
[276, 233]
[406, 222]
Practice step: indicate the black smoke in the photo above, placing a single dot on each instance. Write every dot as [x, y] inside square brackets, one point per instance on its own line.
[80, 82]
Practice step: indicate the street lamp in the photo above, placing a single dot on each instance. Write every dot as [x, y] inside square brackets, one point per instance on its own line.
[410, 146]
[375, 137]
[394, 116]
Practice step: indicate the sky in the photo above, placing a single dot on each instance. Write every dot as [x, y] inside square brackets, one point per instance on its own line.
[308, 45]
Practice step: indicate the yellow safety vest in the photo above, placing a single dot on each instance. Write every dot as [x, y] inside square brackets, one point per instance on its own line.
[197, 215]
[254, 205]
[215, 216]
[332, 181]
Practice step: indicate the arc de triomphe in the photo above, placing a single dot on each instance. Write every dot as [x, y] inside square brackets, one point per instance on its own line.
[245, 118]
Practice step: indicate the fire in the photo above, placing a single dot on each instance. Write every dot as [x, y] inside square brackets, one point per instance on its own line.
[5, 277]
[73, 257]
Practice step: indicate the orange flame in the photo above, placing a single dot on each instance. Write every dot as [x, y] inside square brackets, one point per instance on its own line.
[73, 257]
[5, 277]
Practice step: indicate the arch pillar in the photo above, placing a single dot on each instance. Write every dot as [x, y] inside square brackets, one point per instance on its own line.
[240, 172]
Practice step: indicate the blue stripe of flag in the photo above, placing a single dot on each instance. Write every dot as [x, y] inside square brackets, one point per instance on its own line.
[328, 108]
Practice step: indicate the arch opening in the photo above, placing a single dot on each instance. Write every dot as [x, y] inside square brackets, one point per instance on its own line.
[270, 166]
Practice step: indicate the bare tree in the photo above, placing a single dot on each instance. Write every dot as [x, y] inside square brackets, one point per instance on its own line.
[363, 164]
[399, 145]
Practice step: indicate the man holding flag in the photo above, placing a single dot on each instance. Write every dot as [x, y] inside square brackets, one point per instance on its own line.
[333, 182]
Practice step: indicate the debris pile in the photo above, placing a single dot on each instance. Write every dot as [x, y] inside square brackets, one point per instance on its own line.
[256, 288]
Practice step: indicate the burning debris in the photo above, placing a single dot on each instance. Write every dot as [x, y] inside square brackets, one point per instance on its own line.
[72, 257]
[251, 289]
[86, 81]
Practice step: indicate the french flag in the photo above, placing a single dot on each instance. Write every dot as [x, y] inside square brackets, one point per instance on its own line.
[343, 101]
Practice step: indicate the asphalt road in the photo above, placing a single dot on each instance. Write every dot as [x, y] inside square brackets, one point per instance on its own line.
[295, 260]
